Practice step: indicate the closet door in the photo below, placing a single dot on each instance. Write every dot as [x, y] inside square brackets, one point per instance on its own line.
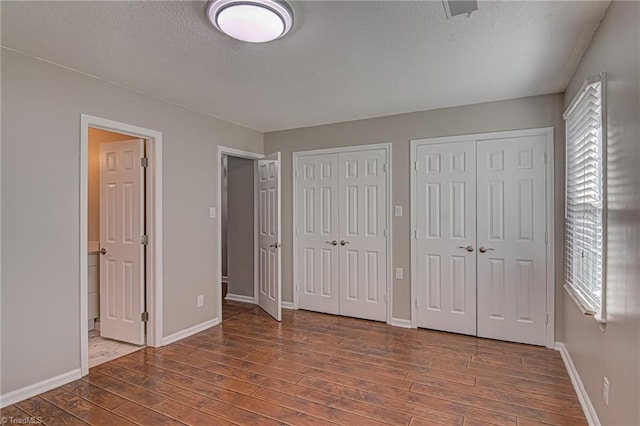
[318, 233]
[511, 239]
[363, 242]
[445, 236]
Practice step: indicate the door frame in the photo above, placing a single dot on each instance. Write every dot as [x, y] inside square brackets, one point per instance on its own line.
[153, 212]
[223, 150]
[387, 147]
[547, 132]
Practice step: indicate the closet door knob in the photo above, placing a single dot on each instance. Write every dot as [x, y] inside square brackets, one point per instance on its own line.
[467, 248]
[484, 249]
[333, 243]
[103, 251]
[343, 242]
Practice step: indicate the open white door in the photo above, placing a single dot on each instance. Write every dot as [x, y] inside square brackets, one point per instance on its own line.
[269, 238]
[121, 227]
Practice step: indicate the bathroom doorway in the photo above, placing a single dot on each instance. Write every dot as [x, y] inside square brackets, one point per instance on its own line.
[120, 240]
[116, 284]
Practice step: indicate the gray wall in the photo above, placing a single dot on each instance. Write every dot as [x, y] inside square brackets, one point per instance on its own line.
[41, 107]
[240, 231]
[539, 111]
[615, 352]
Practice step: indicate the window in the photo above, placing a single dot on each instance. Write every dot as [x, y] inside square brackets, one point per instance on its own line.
[585, 198]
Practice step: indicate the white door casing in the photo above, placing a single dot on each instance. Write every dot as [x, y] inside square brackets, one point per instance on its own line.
[121, 226]
[362, 241]
[445, 236]
[318, 233]
[511, 228]
[269, 235]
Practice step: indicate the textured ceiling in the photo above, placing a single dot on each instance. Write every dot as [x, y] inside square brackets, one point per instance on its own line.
[342, 61]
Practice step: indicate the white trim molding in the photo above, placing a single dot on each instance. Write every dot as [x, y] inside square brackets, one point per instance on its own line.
[399, 322]
[387, 146]
[190, 331]
[287, 305]
[583, 397]
[241, 298]
[154, 266]
[38, 388]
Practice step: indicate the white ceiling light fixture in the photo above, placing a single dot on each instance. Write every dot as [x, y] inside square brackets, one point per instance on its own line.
[253, 21]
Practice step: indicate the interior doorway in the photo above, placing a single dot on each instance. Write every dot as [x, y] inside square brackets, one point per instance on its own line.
[237, 214]
[120, 240]
[116, 284]
[249, 258]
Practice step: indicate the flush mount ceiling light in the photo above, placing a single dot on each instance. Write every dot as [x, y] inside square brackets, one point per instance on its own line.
[254, 21]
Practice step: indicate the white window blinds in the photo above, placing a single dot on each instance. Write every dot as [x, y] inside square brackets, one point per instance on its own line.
[585, 198]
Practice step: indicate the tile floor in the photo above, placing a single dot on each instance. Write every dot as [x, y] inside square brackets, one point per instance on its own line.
[102, 350]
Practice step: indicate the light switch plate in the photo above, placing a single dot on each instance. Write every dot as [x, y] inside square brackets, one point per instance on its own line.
[398, 211]
[212, 212]
[399, 273]
[200, 301]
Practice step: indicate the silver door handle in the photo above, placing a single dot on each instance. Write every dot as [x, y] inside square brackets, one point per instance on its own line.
[483, 249]
[103, 251]
[343, 242]
[467, 248]
[275, 245]
[333, 243]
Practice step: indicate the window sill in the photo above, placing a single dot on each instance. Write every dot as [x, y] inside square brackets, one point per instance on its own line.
[585, 311]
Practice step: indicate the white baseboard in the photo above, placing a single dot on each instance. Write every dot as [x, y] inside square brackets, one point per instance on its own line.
[190, 331]
[583, 397]
[38, 388]
[287, 305]
[240, 298]
[399, 322]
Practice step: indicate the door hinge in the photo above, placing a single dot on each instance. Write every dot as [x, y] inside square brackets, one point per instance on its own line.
[144, 162]
[384, 167]
[415, 234]
[545, 158]
[546, 237]
[144, 317]
[144, 240]
[546, 321]
[297, 230]
[417, 306]
[415, 165]
[297, 174]
[385, 233]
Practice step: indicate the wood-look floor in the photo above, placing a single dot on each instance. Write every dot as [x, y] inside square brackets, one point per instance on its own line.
[317, 369]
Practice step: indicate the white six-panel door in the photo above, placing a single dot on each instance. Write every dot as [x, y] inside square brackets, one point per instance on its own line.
[318, 233]
[341, 217]
[489, 196]
[511, 239]
[363, 242]
[121, 225]
[445, 236]
[269, 236]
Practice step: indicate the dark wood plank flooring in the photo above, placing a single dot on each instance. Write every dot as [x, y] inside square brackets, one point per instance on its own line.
[315, 369]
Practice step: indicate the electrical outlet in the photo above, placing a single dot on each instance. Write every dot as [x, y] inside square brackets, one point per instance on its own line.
[399, 273]
[200, 301]
[605, 391]
[212, 212]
